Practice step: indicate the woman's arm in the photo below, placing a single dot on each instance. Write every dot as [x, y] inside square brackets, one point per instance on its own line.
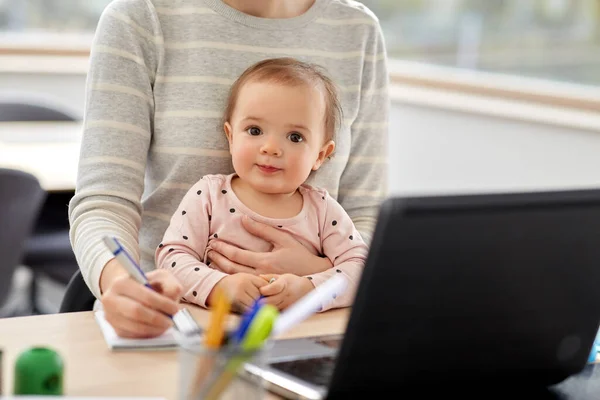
[110, 182]
[363, 184]
[117, 132]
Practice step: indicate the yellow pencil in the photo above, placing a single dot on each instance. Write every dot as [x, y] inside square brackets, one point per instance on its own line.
[258, 332]
[216, 329]
[213, 338]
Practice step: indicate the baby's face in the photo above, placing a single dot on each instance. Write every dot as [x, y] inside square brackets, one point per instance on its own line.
[277, 135]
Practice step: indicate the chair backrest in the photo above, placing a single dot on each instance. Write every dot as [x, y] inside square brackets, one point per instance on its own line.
[78, 296]
[21, 198]
[17, 107]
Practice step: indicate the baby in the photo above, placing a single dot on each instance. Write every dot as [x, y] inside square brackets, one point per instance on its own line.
[280, 122]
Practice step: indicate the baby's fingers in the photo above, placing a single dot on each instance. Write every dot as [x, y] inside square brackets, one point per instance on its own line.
[277, 300]
[243, 303]
[274, 288]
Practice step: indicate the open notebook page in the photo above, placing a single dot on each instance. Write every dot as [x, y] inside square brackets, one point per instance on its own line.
[167, 340]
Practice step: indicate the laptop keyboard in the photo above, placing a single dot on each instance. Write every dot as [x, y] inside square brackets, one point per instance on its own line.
[317, 371]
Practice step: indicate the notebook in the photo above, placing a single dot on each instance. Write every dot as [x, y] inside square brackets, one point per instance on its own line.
[168, 340]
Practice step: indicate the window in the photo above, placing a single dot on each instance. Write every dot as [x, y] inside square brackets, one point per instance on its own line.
[552, 39]
[68, 16]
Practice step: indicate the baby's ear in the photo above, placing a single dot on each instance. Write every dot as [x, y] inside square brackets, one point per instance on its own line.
[228, 132]
[325, 152]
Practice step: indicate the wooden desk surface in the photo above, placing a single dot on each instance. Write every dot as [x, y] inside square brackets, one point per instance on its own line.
[91, 369]
[48, 150]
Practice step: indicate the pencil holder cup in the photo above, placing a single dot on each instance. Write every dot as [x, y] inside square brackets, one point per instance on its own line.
[208, 374]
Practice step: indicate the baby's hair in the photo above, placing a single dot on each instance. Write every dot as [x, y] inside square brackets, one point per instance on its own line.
[289, 71]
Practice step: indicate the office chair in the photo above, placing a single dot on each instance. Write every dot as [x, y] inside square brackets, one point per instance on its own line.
[78, 296]
[48, 251]
[17, 111]
[21, 198]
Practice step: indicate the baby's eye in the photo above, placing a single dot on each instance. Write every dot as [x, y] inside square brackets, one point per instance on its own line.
[295, 137]
[254, 131]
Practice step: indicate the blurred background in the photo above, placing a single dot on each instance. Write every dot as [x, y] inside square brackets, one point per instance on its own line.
[553, 39]
[487, 96]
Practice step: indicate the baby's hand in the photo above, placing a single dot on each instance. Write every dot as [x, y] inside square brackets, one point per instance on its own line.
[285, 289]
[242, 289]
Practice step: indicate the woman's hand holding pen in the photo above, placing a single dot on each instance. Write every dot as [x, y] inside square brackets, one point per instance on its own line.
[284, 290]
[132, 309]
[287, 255]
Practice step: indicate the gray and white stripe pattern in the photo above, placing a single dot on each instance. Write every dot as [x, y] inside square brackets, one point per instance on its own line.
[159, 75]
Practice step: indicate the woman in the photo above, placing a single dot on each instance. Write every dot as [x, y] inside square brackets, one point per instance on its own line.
[159, 76]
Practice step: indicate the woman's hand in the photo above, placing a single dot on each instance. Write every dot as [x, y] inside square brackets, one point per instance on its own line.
[288, 255]
[135, 311]
[285, 289]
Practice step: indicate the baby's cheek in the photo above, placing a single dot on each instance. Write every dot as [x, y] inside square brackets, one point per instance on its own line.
[243, 156]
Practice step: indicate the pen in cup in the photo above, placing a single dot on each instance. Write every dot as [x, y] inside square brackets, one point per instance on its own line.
[247, 317]
[245, 321]
[213, 340]
[256, 335]
[238, 335]
[310, 303]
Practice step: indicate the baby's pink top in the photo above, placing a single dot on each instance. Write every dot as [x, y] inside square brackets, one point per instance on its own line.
[210, 210]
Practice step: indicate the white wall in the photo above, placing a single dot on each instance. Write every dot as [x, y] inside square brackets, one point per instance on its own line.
[438, 143]
[442, 151]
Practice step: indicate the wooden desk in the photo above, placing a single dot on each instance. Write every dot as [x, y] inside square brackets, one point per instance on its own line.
[48, 150]
[91, 369]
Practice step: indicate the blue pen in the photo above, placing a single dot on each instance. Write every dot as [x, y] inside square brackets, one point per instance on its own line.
[126, 261]
[183, 320]
[238, 335]
[247, 318]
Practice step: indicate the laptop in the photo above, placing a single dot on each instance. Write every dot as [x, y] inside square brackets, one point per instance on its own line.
[467, 290]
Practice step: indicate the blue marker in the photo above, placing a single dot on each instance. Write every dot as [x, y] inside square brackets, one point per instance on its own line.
[239, 334]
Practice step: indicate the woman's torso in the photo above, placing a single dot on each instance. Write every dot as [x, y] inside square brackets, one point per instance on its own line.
[206, 47]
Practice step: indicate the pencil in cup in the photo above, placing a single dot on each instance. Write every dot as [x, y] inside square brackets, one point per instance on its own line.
[212, 342]
[217, 381]
[255, 338]
[229, 380]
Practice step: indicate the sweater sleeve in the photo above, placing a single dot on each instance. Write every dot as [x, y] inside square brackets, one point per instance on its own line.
[363, 184]
[117, 132]
[184, 243]
[344, 246]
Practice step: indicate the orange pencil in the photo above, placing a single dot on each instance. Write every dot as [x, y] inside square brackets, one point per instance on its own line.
[213, 339]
